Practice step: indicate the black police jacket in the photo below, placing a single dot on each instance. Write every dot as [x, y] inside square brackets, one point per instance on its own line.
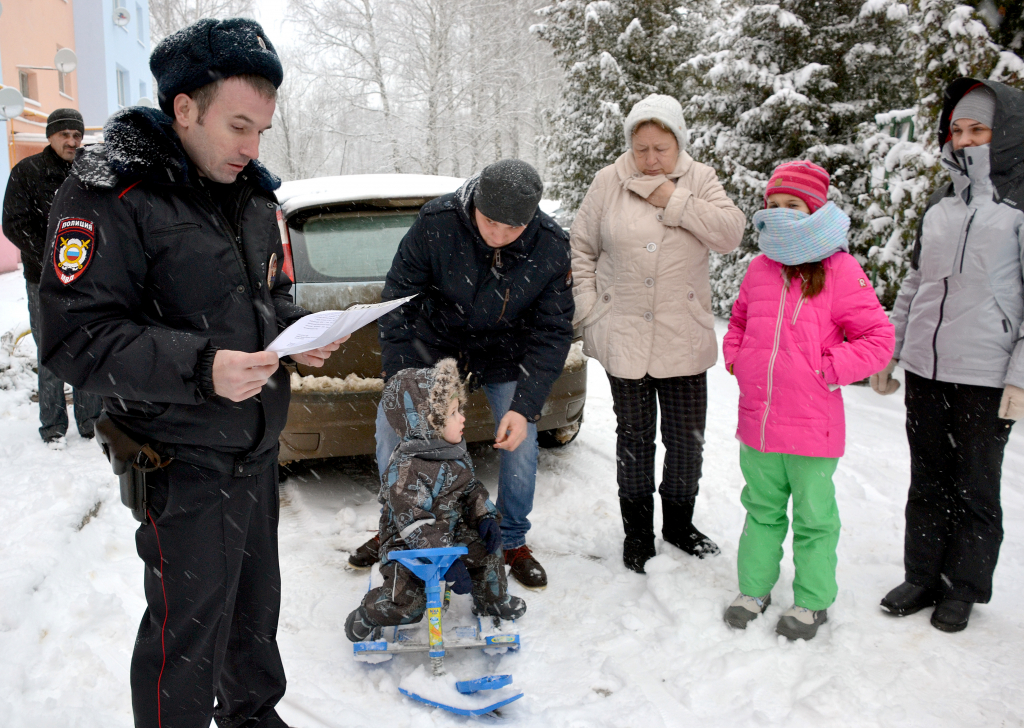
[30, 190]
[146, 278]
[504, 313]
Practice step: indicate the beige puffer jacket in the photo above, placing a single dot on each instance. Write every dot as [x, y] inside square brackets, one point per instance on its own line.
[641, 288]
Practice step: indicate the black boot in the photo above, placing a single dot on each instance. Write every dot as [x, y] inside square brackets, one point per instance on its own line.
[679, 531]
[638, 523]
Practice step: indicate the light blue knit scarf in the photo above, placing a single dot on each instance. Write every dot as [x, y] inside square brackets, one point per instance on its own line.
[792, 237]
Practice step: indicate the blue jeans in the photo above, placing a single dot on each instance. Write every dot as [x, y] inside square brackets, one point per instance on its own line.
[53, 409]
[517, 470]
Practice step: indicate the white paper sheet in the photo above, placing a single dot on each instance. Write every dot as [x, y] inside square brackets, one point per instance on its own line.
[323, 327]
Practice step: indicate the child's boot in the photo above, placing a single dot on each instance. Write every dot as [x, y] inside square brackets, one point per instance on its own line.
[746, 609]
[638, 523]
[358, 626]
[800, 623]
[511, 608]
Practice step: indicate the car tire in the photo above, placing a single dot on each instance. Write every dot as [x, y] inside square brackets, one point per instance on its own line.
[560, 437]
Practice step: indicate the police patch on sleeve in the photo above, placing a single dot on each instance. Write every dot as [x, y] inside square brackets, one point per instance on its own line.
[73, 248]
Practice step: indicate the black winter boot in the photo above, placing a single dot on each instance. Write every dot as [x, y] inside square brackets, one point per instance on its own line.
[679, 531]
[638, 523]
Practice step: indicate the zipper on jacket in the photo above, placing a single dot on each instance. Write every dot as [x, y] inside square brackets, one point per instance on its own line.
[504, 304]
[771, 360]
[967, 232]
[935, 336]
[798, 305]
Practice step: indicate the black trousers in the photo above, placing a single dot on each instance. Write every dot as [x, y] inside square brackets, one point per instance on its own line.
[684, 407]
[207, 644]
[954, 517]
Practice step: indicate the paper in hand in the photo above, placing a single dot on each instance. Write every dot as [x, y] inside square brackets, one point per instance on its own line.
[319, 329]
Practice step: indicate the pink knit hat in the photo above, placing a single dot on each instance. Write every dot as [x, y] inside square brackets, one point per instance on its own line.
[803, 179]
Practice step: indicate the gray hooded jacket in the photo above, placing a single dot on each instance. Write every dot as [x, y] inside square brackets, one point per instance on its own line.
[959, 312]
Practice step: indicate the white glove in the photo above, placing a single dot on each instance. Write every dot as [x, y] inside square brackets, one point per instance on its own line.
[1012, 405]
[882, 382]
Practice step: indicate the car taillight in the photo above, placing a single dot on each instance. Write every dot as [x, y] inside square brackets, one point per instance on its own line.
[286, 265]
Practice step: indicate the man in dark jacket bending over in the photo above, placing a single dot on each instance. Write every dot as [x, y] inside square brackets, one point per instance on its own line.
[34, 181]
[495, 288]
[161, 291]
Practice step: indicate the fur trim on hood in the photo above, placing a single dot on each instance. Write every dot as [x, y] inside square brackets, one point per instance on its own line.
[416, 401]
[140, 144]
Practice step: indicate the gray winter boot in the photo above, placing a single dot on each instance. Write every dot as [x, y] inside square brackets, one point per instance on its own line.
[800, 623]
[746, 609]
[358, 626]
[512, 608]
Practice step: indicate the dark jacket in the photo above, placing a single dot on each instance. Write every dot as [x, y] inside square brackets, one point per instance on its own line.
[959, 315]
[30, 190]
[505, 314]
[169, 280]
[430, 496]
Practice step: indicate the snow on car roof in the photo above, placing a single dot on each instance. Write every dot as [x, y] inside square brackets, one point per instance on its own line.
[355, 187]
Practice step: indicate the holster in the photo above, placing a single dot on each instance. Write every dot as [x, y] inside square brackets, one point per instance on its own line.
[130, 462]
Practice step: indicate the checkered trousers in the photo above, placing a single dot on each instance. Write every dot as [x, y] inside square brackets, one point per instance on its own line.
[684, 406]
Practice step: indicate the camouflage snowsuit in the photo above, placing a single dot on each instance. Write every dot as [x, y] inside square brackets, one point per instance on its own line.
[430, 497]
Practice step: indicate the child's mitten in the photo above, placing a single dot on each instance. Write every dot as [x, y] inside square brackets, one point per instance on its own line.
[458, 576]
[882, 382]
[490, 534]
[1012, 405]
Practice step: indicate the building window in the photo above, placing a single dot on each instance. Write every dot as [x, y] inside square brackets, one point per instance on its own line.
[27, 84]
[122, 88]
[140, 25]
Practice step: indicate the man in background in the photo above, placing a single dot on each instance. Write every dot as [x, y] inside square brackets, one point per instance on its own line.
[34, 182]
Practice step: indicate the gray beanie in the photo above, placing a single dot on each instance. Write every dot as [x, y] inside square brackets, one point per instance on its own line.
[978, 105]
[662, 108]
[63, 119]
[509, 192]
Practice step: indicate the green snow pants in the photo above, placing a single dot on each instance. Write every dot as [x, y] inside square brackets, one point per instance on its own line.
[771, 477]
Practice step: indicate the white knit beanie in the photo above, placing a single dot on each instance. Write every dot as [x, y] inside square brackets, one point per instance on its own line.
[663, 108]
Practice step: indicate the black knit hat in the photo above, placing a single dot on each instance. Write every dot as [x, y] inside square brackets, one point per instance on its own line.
[508, 192]
[63, 119]
[209, 50]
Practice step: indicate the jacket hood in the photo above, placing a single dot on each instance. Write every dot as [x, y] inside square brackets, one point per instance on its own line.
[464, 207]
[415, 401]
[140, 144]
[1006, 151]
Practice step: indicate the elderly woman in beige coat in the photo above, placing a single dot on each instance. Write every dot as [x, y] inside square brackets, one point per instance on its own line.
[640, 246]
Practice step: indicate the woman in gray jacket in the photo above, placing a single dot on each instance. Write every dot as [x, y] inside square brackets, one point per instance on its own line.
[958, 323]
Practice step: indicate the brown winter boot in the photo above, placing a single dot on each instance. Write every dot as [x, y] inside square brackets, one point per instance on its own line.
[366, 555]
[525, 568]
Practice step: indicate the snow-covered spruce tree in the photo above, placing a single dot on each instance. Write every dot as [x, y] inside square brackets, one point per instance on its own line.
[614, 54]
[793, 80]
[946, 40]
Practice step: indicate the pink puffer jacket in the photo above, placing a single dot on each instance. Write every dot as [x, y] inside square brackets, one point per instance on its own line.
[790, 357]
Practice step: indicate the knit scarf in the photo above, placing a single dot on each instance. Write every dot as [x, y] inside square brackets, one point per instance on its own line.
[792, 237]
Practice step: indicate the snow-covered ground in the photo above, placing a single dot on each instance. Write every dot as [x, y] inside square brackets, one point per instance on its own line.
[601, 646]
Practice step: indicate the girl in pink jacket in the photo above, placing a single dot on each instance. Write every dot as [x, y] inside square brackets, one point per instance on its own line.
[806, 322]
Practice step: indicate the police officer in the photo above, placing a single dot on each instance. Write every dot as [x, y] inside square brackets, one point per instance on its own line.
[161, 291]
[33, 183]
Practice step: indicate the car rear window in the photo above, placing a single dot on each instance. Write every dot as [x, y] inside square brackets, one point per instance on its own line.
[354, 246]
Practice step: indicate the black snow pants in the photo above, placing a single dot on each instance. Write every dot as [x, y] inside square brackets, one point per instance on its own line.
[402, 598]
[954, 517]
[684, 406]
[207, 644]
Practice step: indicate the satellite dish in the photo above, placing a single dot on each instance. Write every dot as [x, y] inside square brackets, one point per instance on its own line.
[66, 61]
[12, 103]
[147, 102]
[122, 17]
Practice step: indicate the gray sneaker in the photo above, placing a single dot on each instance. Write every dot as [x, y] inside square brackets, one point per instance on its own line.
[746, 609]
[799, 623]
